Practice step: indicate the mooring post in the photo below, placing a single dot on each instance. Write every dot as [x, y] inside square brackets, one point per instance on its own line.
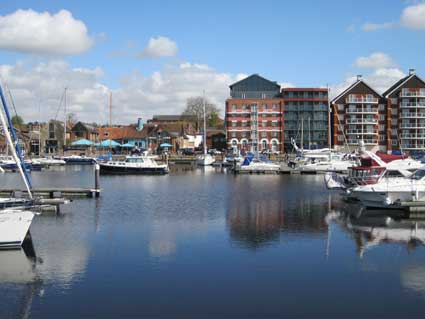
[97, 179]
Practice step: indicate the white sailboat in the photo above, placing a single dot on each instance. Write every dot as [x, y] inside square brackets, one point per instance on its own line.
[205, 159]
[14, 223]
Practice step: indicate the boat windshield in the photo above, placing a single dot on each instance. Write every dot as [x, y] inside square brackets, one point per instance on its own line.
[419, 174]
[134, 160]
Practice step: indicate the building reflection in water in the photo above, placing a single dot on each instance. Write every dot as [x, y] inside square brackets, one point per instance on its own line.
[258, 223]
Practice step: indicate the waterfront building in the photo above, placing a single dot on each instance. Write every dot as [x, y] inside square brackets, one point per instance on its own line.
[254, 115]
[55, 134]
[135, 134]
[83, 130]
[359, 113]
[406, 114]
[306, 109]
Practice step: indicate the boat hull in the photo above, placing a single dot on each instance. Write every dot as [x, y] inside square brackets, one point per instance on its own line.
[123, 170]
[14, 226]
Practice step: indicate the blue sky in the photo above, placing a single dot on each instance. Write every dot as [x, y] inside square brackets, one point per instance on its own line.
[305, 43]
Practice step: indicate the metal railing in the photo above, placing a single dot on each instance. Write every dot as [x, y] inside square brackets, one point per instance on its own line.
[362, 121]
[361, 100]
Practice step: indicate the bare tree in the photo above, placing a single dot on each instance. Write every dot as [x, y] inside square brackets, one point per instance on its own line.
[71, 119]
[194, 106]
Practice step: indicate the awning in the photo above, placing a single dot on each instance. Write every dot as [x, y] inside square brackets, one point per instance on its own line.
[108, 143]
[165, 145]
[82, 142]
[128, 145]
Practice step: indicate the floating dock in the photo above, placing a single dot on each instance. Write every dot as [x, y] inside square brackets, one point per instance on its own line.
[52, 193]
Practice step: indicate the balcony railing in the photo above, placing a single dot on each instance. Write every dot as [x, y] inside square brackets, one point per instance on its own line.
[362, 121]
[360, 132]
[413, 125]
[407, 105]
[361, 100]
[362, 111]
[412, 115]
[412, 136]
[420, 93]
[366, 141]
[412, 147]
[238, 111]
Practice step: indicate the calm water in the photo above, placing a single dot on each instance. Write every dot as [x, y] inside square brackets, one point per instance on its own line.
[205, 244]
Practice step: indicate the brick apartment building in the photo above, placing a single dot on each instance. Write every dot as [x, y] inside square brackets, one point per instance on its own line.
[254, 115]
[307, 109]
[391, 121]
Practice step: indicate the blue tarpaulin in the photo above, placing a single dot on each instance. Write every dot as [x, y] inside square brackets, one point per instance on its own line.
[165, 145]
[128, 145]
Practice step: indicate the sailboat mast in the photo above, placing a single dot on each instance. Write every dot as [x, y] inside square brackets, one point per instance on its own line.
[15, 149]
[309, 133]
[110, 120]
[205, 125]
[64, 112]
[302, 133]
[329, 121]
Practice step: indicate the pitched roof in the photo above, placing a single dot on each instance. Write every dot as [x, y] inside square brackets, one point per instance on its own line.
[352, 86]
[173, 118]
[254, 76]
[122, 132]
[399, 83]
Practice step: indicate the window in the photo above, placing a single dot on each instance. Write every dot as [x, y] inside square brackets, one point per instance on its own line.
[382, 117]
[381, 107]
[233, 107]
[233, 134]
[394, 122]
[274, 123]
[381, 127]
[341, 117]
[264, 106]
[234, 123]
[264, 144]
[382, 138]
[274, 106]
[244, 107]
[340, 107]
[274, 134]
[243, 134]
[394, 101]
[263, 134]
[340, 138]
[393, 142]
[264, 123]
[394, 132]
[393, 111]
[340, 127]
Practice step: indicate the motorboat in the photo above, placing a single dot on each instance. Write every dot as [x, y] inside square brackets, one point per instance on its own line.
[334, 163]
[390, 192]
[230, 159]
[15, 202]
[48, 161]
[134, 165]
[205, 159]
[79, 160]
[8, 163]
[255, 164]
[14, 226]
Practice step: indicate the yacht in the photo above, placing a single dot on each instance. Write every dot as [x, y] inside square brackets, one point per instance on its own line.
[134, 165]
[79, 160]
[14, 226]
[205, 159]
[333, 163]
[255, 164]
[48, 161]
[391, 193]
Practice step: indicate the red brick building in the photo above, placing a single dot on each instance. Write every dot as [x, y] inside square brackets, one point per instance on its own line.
[254, 115]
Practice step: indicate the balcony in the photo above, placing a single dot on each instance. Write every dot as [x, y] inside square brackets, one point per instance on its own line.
[362, 121]
[365, 100]
[412, 126]
[420, 93]
[412, 115]
[238, 129]
[238, 112]
[366, 141]
[407, 136]
[360, 132]
[373, 110]
[269, 112]
[408, 105]
[413, 147]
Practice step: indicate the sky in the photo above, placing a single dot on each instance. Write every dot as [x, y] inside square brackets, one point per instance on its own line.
[153, 55]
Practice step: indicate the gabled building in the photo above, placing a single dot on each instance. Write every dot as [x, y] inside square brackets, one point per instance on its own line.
[254, 115]
[83, 130]
[359, 113]
[135, 134]
[406, 114]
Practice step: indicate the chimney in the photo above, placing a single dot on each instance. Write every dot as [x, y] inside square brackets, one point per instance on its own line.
[412, 71]
[359, 77]
[139, 124]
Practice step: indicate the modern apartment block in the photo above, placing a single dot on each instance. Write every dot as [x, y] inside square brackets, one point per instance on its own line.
[406, 114]
[306, 115]
[254, 115]
[391, 121]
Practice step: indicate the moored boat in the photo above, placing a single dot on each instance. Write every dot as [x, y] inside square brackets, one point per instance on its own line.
[134, 165]
[14, 226]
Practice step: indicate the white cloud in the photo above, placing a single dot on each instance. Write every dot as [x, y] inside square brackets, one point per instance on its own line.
[369, 27]
[162, 92]
[29, 31]
[413, 17]
[376, 60]
[159, 47]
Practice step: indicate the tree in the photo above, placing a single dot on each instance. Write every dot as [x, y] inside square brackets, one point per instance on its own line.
[213, 120]
[17, 120]
[195, 106]
[71, 119]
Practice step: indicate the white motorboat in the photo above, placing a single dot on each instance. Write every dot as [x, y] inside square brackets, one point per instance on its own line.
[337, 163]
[230, 159]
[14, 226]
[205, 159]
[392, 192]
[134, 165]
[256, 165]
[48, 161]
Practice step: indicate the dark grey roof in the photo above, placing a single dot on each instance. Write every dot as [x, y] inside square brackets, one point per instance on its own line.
[255, 82]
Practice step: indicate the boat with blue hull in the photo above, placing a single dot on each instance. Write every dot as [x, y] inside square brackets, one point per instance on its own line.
[79, 160]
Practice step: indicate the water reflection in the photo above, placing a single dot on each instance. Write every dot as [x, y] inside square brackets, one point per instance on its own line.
[372, 228]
